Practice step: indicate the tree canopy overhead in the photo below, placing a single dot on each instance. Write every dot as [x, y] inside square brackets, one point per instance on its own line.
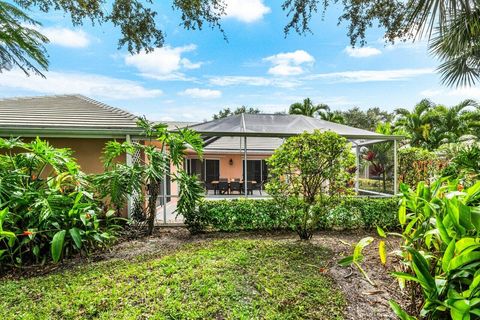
[451, 25]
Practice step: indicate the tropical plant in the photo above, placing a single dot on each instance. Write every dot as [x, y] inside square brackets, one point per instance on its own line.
[162, 150]
[441, 251]
[332, 116]
[307, 108]
[418, 124]
[47, 210]
[189, 200]
[312, 168]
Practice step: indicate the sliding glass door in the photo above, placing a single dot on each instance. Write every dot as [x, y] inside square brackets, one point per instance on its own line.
[207, 170]
[256, 170]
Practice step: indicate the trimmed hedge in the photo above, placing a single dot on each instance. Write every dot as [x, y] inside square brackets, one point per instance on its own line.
[251, 214]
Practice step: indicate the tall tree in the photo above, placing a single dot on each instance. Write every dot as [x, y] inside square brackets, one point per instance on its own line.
[367, 120]
[307, 108]
[226, 112]
[20, 44]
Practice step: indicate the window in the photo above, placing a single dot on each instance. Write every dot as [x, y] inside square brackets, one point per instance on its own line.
[256, 170]
[207, 170]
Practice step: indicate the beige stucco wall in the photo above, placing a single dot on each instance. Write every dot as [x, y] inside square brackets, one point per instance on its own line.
[87, 151]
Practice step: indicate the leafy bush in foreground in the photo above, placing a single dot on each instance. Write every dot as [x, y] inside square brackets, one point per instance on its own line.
[46, 209]
[441, 252]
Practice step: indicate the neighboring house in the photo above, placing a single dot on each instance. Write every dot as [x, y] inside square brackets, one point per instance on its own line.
[68, 121]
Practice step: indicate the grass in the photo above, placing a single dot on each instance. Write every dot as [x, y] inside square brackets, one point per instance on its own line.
[223, 279]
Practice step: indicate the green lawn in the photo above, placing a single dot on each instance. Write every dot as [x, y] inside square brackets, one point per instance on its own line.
[223, 279]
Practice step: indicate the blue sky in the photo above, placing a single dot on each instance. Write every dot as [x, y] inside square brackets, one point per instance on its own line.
[198, 72]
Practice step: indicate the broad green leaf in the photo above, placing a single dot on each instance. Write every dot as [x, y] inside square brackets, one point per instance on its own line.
[448, 255]
[77, 238]
[421, 268]
[357, 252]
[399, 311]
[345, 262]
[464, 259]
[57, 245]
[380, 232]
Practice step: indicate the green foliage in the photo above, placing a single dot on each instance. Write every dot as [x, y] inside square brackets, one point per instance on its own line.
[266, 214]
[442, 247]
[190, 196]
[21, 44]
[46, 205]
[162, 150]
[465, 164]
[362, 212]
[430, 126]
[227, 279]
[417, 164]
[226, 112]
[307, 108]
[307, 170]
[242, 214]
[441, 252]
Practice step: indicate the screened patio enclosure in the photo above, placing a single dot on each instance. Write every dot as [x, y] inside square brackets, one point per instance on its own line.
[249, 135]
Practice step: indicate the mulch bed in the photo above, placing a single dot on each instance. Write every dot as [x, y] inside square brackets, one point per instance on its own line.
[364, 300]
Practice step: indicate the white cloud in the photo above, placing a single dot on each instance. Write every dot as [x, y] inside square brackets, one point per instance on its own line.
[247, 11]
[289, 63]
[452, 95]
[362, 52]
[201, 93]
[83, 83]
[164, 63]
[371, 75]
[65, 37]
[225, 81]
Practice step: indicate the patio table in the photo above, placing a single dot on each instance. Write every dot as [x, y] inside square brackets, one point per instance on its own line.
[216, 182]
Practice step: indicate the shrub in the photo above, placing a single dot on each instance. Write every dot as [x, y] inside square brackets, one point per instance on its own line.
[46, 208]
[362, 212]
[417, 164]
[242, 214]
[251, 214]
[307, 170]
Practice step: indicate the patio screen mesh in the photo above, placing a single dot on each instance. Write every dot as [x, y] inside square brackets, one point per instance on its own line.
[280, 125]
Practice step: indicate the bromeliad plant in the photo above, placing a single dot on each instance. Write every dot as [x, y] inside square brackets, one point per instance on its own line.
[46, 208]
[161, 151]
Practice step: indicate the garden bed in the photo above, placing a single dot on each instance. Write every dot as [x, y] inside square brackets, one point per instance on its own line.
[213, 275]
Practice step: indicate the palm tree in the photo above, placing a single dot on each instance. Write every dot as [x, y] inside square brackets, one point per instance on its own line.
[332, 116]
[307, 108]
[418, 123]
[456, 121]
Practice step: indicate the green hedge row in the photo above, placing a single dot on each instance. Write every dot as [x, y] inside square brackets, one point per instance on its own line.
[251, 214]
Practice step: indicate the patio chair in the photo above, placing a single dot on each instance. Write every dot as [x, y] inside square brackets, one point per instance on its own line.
[235, 186]
[223, 187]
[249, 188]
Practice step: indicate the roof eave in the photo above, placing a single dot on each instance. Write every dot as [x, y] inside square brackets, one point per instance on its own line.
[70, 132]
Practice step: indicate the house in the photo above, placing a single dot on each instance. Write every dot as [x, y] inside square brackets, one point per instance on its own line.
[68, 121]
